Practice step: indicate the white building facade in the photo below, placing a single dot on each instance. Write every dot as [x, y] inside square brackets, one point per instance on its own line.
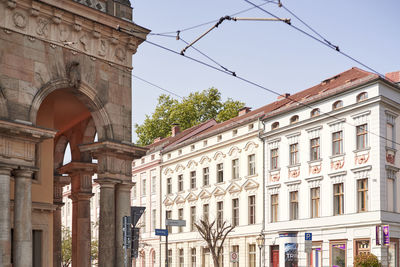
[215, 175]
[331, 170]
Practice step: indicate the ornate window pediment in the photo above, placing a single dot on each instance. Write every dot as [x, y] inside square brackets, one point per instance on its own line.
[191, 164]
[204, 194]
[218, 191]
[219, 155]
[179, 168]
[204, 159]
[192, 197]
[180, 199]
[234, 188]
[250, 184]
[168, 201]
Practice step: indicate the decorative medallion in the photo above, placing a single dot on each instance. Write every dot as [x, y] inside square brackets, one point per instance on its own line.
[275, 177]
[294, 173]
[390, 158]
[64, 33]
[19, 20]
[338, 164]
[315, 169]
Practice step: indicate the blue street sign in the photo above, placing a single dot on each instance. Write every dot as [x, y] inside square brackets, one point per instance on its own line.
[308, 236]
[162, 232]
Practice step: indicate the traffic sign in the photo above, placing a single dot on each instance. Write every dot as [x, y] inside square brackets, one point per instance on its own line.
[161, 232]
[308, 242]
[126, 231]
[170, 222]
[234, 257]
[136, 213]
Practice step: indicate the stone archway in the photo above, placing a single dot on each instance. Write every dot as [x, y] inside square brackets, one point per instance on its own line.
[64, 50]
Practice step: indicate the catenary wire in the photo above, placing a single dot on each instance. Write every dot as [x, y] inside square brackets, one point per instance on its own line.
[214, 21]
[336, 48]
[265, 88]
[157, 86]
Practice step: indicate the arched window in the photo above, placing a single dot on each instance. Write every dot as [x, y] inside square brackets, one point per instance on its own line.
[275, 125]
[338, 104]
[294, 119]
[362, 96]
[315, 112]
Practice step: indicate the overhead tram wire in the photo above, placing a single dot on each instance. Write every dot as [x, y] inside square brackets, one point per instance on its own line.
[157, 86]
[260, 86]
[212, 21]
[328, 44]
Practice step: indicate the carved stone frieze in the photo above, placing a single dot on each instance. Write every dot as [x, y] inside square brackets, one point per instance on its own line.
[361, 159]
[65, 30]
[337, 164]
[315, 169]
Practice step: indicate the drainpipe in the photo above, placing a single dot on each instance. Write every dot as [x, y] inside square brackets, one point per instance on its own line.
[263, 182]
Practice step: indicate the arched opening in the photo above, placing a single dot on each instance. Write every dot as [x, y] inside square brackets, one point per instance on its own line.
[362, 96]
[294, 119]
[275, 125]
[315, 112]
[337, 105]
[65, 112]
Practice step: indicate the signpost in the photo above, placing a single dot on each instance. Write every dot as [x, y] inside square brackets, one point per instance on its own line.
[126, 237]
[169, 222]
[308, 245]
[161, 232]
[234, 257]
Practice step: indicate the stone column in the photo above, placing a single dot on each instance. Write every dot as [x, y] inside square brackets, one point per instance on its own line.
[107, 223]
[122, 208]
[22, 243]
[81, 182]
[5, 218]
[59, 183]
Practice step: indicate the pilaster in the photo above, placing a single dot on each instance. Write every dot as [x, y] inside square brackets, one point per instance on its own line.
[5, 219]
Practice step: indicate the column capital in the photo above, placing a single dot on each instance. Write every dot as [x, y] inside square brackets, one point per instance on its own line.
[23, 173]
[125, 186]
[107, 182]
[80, 196]
[5, 170]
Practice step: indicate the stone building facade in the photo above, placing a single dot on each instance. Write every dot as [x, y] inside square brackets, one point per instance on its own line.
[65, 76]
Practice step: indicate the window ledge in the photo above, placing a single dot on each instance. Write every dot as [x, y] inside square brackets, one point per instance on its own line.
[337, 156]
[314, 161]
[220, 183]
[294, 165]
[362, 149]
[251, 176]
[275, 170]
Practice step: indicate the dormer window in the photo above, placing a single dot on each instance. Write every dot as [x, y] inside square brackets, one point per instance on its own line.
[337, 105]
[315, 112]
[275, 125]
[294, 119]
[362, 96]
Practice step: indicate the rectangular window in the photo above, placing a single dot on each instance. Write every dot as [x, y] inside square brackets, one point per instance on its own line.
[362, 136]
[338, 254]
[192, 180]
[180, 182]
[362, 194]
[169, 186]
[252, 255]
[169, 216]
[315, 198]
[180, 217]
[274, 208]
[153, 184]
[37, 244]
[252, 209]
[220, 213]
[170, 257]
[220, 173]
[143, 187]
[252, 164]
[235, 212]
[153, 219]
[181, 258]
[337, 143]
[144, 222]
[235, 249]
[390, 135]
[206, 176]
[391, 194]
[192, 218]
[314, 149]
[338, 199]
[205, 211]
[134, 191]
[235, 169]
[294, 153]
[294, 205]
[315, 257]
[362, 246]
[393, 254]
[274, 159]
[193, 257]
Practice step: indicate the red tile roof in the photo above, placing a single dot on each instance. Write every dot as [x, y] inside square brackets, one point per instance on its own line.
[331, 86]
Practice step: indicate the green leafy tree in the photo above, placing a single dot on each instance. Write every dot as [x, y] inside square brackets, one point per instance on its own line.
[196, 108]
[66, 247]
[366, 260]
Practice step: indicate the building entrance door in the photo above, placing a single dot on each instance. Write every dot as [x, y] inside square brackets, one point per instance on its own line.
[274, 256]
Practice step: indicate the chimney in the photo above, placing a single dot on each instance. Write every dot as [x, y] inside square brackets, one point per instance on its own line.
[283, 96]
[175, 129]
[244, 110]
[393, 77]
[158, 139]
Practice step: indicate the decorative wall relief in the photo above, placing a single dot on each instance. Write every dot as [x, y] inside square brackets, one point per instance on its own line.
[275, 177]
[390, 157]
[361, 159]
[120, 54]
[20, 20]
[294, 173]
[42, 27]
[315, 169]
[337, 164]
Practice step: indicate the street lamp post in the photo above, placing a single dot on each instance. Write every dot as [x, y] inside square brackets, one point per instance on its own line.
[260, 242]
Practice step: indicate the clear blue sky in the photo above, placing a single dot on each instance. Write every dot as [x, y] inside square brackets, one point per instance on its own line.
[269, 53]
